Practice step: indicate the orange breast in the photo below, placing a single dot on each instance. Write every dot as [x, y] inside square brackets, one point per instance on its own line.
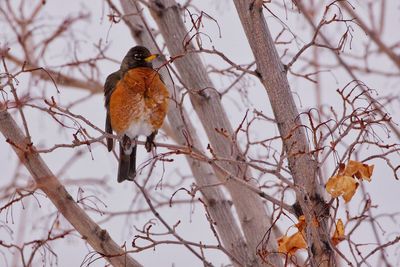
[139, 94]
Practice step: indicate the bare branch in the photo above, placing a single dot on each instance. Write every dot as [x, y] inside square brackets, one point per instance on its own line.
[98, 238]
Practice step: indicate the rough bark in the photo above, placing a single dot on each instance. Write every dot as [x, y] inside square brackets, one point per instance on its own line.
[302, 166]
[207, 104]
[218, 206]
[98, 238]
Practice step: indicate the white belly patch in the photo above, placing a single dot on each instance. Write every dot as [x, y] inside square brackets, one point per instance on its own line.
[140, 127]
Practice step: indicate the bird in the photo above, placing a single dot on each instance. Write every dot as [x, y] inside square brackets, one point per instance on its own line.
[136, 102]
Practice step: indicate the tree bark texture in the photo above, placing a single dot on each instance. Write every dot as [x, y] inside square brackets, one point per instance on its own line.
[218, 206]
[206, 101]
[98, 238]
[301, 164]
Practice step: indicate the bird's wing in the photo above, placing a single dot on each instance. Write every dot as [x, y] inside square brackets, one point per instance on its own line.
[109, 88]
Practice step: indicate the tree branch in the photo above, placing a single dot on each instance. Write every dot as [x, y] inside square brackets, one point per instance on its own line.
[185, 134]
[98, 238]
[56, 77]
[303, 168]
[206, 101]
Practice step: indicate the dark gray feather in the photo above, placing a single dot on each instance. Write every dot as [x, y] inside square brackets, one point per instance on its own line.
[109, 87]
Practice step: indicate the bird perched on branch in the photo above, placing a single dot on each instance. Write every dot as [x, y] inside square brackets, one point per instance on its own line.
[136, 100]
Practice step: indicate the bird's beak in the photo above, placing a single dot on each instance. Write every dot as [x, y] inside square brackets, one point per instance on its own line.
[151, 57]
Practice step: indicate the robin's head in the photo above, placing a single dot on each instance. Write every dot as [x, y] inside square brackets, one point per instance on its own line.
[138, 56]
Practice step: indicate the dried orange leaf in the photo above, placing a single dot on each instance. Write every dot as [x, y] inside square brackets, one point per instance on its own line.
[342, 168]
[360, 170]
[341, 185]
[315, 222]
[301, 225]
[292, 243]
[338, 236]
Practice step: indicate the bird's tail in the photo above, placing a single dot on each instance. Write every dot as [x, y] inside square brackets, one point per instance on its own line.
[127, 162]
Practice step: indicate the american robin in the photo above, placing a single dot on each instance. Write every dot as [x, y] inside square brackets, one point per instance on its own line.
[136, 100]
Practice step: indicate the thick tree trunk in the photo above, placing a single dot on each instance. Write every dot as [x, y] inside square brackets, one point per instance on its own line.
[98, 238]
[302, 166]
[207, 104]
[219, 207]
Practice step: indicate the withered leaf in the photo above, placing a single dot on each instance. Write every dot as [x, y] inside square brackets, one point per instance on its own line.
[338, 236]
[290, 244]
[341, 185]
[345, 183]
[360, 170]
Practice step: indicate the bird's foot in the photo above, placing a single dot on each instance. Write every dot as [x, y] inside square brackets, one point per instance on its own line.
[149, 145]
[150, 141]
